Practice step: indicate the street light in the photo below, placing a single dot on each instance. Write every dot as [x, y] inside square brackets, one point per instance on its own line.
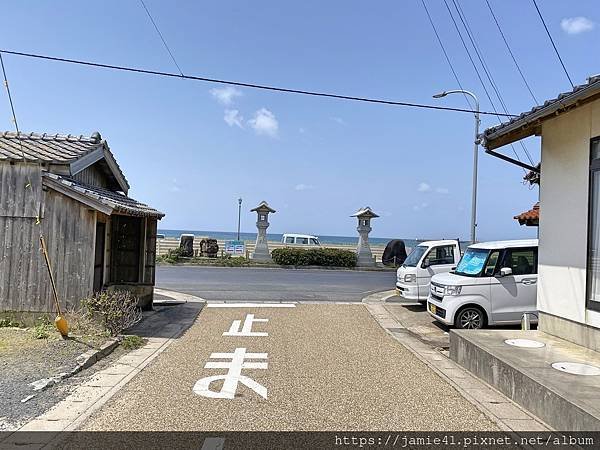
[239, 216]
[476, 143]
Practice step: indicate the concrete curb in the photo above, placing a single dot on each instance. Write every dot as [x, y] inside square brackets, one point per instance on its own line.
[277, 266]
[84, 361]
[506, 414]
[73, 411]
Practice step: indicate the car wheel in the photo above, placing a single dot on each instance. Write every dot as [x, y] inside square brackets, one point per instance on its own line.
[470, 318]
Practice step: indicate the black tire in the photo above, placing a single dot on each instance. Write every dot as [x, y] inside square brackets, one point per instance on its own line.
[470, 318]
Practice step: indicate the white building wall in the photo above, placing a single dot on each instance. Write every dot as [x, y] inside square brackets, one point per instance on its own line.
[564, 213]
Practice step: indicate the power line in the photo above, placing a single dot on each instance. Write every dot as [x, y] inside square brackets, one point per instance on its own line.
[445, 53]
[161, 36]
[511, 53]
[553, 44]
[12, 106]
[486, 69]
[247, 85]
[14, 118]
[477, 71]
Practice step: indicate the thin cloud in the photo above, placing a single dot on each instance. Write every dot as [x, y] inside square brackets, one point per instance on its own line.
[175, 186]
[264, 123]
[576, 25]
[420, 206]
[226, 95]
[232, 117]
[304, 187]
[442, 190]
[339, 120]
[424, 187]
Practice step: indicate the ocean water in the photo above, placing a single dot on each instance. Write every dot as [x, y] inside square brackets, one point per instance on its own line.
[338, 240]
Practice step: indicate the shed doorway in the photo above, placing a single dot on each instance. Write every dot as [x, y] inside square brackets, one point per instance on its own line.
[99, 256]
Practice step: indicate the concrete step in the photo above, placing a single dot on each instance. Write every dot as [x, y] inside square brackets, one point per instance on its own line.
[562, 400]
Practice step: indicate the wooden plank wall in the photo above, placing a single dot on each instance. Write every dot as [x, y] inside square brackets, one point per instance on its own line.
[20, 189]
[93, 176]
[69, 229]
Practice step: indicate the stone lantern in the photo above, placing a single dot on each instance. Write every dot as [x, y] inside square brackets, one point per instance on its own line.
[363, 251]
[261, 249]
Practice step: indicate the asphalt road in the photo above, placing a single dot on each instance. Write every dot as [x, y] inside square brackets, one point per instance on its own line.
[310, 367]
[246, 284]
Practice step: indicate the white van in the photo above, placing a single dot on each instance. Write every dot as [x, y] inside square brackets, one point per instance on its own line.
[424, 261]
[304, 240]
[494, 283]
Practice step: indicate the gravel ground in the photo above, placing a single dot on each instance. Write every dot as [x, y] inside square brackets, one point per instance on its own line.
[331, 367]
[24, 359]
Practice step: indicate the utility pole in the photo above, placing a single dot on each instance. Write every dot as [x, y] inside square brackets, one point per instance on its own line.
[475, 156]
[239, 216]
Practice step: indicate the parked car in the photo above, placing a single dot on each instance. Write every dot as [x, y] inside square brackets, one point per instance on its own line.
[302, 240]
[494, 283]
[424, 261]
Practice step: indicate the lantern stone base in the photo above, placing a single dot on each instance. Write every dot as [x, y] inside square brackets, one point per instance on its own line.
[261, 257]
[365, 260]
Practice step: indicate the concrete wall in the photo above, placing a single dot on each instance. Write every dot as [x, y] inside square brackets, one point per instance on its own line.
[564, 213]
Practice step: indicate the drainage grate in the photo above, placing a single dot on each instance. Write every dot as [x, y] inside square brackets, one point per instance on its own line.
[526, 343]
[577, 368]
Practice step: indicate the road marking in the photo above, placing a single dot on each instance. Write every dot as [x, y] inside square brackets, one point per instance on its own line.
[250, 305]
[233, 376]
[246, 329]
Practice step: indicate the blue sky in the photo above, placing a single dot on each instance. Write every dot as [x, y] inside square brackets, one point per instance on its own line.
[191, 150]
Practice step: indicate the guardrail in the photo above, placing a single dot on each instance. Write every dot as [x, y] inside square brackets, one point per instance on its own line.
[166, 244]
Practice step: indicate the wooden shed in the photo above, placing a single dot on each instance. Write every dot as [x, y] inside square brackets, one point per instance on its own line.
[71, 190]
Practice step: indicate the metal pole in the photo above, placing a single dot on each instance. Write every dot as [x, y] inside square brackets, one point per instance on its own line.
[239, 217]
[475, 157]
[475, 165]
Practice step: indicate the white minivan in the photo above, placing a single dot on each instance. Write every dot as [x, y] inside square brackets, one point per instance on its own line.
[494, 283]
[424, 261]
[301, 240]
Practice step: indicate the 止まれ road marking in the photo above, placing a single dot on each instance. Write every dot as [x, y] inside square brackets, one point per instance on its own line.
[246, 329]
[233, 376]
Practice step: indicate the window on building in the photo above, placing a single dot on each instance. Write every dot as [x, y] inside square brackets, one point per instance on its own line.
[593, 261]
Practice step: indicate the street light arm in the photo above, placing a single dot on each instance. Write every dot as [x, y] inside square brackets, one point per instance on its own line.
[463, 91]
[475, 157]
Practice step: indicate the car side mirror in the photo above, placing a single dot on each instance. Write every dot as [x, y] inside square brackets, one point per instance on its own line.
[424, 265]
[505, 271]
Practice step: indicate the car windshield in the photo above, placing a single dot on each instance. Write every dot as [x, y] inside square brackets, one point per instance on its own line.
[415, 256]
[472, 262]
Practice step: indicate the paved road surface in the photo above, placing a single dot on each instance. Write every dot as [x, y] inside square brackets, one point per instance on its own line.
[322, 367]
[245, 284]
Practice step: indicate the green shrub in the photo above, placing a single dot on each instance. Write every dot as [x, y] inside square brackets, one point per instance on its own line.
[332, 257]
[42, 330]
[7, 322]
[132, 342]
[171, 257]
[117, 310]
[230, 261]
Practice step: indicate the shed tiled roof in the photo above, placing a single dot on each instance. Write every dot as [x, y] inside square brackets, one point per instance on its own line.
[563, 101]
[54, 149]
[50, 148]
[115, 200]
[531, 217]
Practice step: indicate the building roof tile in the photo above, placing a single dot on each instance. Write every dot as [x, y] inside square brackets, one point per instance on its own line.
[117, 201]
[531, 217]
